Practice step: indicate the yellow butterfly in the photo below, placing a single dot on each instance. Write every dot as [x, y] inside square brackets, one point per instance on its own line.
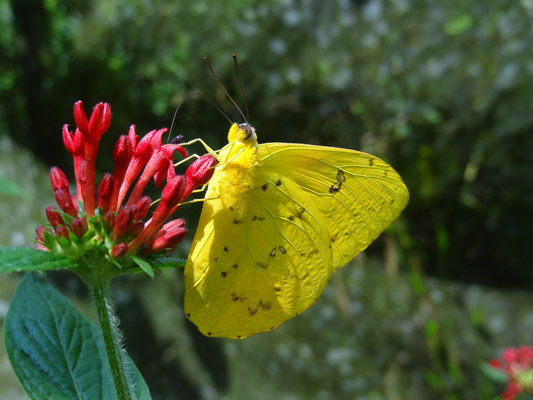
[280, 219]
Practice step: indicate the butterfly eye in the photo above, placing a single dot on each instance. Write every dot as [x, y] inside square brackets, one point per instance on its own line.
[249, 131]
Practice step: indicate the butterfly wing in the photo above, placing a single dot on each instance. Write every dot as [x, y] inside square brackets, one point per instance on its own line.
[248, 272]
[264, 253]
[357, 194]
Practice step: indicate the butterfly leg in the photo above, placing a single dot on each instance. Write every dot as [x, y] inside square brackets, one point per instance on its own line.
[187, 159]
[198, 140]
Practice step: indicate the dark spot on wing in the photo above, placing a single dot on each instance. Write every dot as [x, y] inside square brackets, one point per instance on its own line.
[261, 265]
[216, 259]
[239, 336]
[188, 314]
[335, 188]
[300, 213]
[264, 187]
[225, 249]
[340, 176]
[291, 218]
[234, 266]
[209, 333]
[282, 249]
[256, 218]
[271, 328]
[237, 221]
[278, 182]
[231, 208]
[223, 274]
[273, 252]
[277, 289]
[264, 306]
[392, 201]
[236, 298]
[371, 161]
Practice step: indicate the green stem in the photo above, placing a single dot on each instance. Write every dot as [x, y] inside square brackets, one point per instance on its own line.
[112, 337]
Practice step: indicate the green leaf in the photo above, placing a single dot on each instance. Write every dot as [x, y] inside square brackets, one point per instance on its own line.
[55, 351]
[494, 374]
[144, 265]
[27, 259]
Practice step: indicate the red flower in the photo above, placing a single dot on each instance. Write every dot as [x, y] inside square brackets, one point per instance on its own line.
[108, 218]
[517, 363]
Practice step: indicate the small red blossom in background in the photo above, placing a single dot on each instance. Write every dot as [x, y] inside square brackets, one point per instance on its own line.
[517, 364]
[111, 216]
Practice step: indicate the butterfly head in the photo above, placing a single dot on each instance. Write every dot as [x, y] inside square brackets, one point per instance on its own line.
[243, 134]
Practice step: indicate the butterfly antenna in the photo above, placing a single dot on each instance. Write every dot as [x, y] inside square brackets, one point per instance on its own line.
[185, 98]
[222, 87]
[236, 63]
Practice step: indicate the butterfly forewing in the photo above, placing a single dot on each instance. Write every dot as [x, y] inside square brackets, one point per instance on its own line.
[357, 194]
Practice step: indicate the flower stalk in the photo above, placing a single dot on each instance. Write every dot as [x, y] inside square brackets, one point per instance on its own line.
[111, 336]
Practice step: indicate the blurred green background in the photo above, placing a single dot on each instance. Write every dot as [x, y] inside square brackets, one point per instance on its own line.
[443, 91]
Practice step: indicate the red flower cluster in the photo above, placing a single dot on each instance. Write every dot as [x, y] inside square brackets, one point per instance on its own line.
[517, 363]
[107, 217]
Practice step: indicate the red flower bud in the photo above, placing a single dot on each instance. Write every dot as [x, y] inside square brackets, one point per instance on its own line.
[133, 139]
[119, 250]
[122, 222]
[58, 179]
[136, 228]
[105, 192]
[122, 152]
[168, 236]
[54, 217]
[200, 171]
[80, 117]
[142, 207]
[173, 192]
[78, 227]
[39, 231]
[61, 231]
[64, 201]
[110, 218]
[100, 121]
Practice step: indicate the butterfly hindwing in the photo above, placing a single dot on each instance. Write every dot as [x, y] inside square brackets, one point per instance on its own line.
[248, 277]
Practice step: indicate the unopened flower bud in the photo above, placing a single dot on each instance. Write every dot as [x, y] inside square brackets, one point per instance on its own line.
[78, 227]
[173, 192]
[61, 231]
[119, 250]
[110, 218]
[123, 221]
[58, 179]
[54, 217]
[105, 192]
[142, 207]
[39, 232]
[168, 236]
[201, 171]
[136, 228]
[64, 201]
[122, 152]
